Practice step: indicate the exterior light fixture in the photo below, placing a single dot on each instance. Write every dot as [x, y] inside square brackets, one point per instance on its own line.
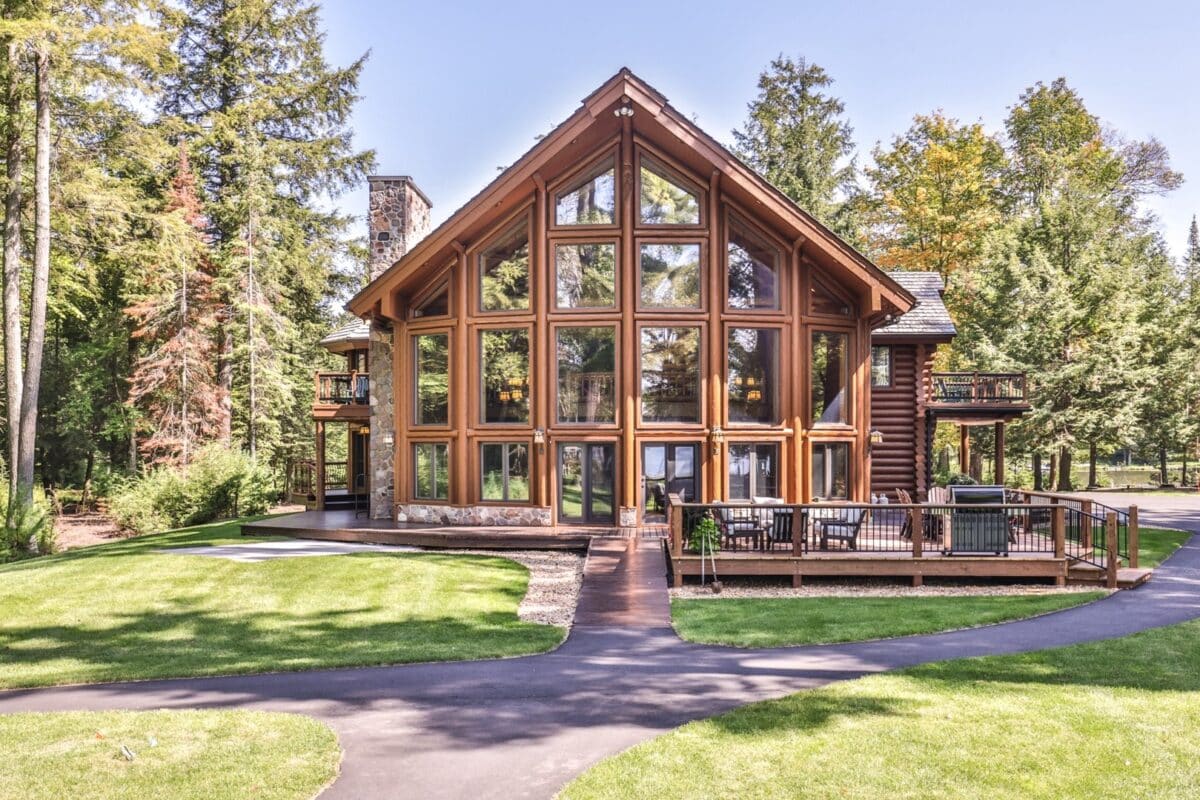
[626, 110]
[387, 440]
[539, 436]
[718, 437]
[876, 436]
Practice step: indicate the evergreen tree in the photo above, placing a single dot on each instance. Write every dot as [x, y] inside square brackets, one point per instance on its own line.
[1191, 261]
[796, 137]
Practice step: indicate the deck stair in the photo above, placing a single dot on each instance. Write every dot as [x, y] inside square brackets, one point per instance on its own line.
[1081, 573]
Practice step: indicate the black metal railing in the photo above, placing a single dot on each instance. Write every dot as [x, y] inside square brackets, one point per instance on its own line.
[342, 388]
[991, 388]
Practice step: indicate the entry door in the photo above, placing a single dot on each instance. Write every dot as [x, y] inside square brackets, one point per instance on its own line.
[586, 483]
[667, 468]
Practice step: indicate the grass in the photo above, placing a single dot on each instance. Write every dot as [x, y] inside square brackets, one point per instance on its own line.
[198, 755]
[1107, 719]
[125, 611]
[779, 622]
[1156, 544]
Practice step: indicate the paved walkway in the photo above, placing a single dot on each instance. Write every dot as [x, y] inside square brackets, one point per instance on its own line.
[523, 727]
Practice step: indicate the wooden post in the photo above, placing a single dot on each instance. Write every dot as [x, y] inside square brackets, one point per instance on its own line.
[675, 524]
[1110, 544]
[1000, 453]
[798, 532]
[320, 466]
[1133, 536]
[1058, 531]
[964, 449]
[539, 368]
[915, 519]
[629, 347]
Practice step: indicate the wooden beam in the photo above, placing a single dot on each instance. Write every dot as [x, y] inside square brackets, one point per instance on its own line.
[1134, 536]
[630, 353]
[1111, 559]
[964, 449]
[540, 372]
[459, 390]
[320, 466]
[716, 336]
[1000, 453]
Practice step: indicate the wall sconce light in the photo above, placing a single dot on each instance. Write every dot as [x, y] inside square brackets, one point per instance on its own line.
[718, 437]
[365, 430]
[388, 440]
[876, 436]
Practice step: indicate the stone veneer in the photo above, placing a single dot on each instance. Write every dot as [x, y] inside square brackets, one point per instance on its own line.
[398, 217]
[524, 516]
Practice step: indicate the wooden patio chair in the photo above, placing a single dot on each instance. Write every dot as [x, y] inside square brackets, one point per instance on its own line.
[780, 531]
[905, 499]
[735, 527]
[843, 526]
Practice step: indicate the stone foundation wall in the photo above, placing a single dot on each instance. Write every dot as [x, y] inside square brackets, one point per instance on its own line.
[383, 423]
[512, 516]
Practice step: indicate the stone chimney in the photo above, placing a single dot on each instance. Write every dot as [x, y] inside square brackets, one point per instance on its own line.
[397, 219]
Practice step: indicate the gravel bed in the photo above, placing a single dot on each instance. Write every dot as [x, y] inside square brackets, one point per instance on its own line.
[873, 588]
[554, 581]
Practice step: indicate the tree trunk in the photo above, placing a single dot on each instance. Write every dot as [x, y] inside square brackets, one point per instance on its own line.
[225, 383]
[1183, 479]
[1092, 466]
[1053, 476]
[1064, 470]
[12, 260]
[36, 339]
[1038, 486]
[1162, 466]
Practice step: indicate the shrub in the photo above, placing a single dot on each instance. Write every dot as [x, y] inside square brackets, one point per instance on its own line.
[705, 532]
[218, 483]
[961, 479]
[29, 529]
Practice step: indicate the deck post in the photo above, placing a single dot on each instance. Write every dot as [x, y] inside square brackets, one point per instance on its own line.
[1058, 530]
[320, 465]
[1133, 536]
[964, 448]
[916, 526]
[1110, 544]
[675, 524]
[999, 455]
[798, 532]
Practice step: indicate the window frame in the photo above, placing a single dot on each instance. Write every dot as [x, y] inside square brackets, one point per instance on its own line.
[812, 470]
[735, 218]
[702, 266]
[782, 399]
[891, 366]
[611, 151]
[413, 486]
[672, 171]
[481, 390]
[414, 390]
[850, 417]
[505, 443]
[701, 378]
[554, 327]
[443, 280]
[780, 477]
[554, 242]
[486, 241]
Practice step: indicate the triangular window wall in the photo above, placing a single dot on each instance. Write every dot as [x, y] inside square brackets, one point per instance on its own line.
[826, 302]
[590, 199]
[664, 200]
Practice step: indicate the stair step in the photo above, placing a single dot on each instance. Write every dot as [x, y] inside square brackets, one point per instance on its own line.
[1090, 575]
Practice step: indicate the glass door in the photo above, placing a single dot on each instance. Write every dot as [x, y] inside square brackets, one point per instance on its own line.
[667, 468]
[587, 483]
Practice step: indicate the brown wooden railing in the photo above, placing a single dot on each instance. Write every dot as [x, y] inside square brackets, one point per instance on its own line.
[302, 478]
[989, 388]
[342, 388]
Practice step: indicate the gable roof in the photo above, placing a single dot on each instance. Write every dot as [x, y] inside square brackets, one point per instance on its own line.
[625, 87]
[928, 319]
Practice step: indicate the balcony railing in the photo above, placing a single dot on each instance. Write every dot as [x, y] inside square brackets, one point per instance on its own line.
[979, 388]
[342, 388]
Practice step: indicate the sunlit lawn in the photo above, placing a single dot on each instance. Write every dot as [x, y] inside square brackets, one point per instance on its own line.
[180, 755]
[124, 611]
[1109, 719]
[1156, 544]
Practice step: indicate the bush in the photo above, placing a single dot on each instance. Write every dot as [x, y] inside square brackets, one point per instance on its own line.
[28, 532]
[218, 483]
[705, 532]
[961, 479]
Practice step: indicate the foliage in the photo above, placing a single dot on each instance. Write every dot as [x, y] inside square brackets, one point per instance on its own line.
[29, 527]
[705, 535]
[217, 483]
[961, 479]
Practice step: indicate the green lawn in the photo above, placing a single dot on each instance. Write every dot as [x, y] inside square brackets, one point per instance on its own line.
[778, 622]
[1155, 544]
[123, 611]
[197, 755]
[1110, 719]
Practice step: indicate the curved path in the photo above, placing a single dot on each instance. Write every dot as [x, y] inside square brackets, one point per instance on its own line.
[523, 727]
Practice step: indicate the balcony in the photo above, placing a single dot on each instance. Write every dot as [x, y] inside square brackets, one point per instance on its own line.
[973, 394]
[341, 395]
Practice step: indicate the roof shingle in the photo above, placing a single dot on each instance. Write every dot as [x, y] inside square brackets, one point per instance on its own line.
[929, 318]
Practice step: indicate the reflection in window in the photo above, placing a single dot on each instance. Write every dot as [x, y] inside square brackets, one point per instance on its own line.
[437, 305]
[590, 201]
[504, 372]
[504, 271]
[664, 201]
[881, 366]
[829, 373]
[753, 271]
[431, 354]
[505, 470]
[670, 275]
[586, 374]
[753, 471]
[824, 301]
[431, 471]
[671, 374]
[754, 375]
[831, 471]
[585, 275]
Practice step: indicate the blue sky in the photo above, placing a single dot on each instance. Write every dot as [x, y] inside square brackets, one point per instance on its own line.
[453, 90]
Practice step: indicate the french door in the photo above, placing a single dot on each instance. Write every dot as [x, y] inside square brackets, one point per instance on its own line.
[668, 468]
[587, 482]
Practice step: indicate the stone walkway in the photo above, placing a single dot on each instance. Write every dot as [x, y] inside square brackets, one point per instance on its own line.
[521, 728]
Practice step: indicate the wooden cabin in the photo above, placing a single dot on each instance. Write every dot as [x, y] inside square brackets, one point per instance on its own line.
[625, 313]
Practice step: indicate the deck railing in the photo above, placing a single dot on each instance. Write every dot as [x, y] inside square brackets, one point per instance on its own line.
[988, 388]
[302, 478]
[336, 476]
[1095, 529]
[342, 388]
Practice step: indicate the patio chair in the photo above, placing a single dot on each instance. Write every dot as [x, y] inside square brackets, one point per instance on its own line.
[905, 499]
[843, 526]
[780, 531]
[737, 524]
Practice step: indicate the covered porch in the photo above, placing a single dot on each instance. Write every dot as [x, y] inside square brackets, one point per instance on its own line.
[977, 399]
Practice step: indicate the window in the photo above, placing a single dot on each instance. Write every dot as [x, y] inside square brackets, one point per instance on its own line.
[431, 356]
[592, 200]
[504, 375]
[754, 375]
[829, 373]
[585, 275]
[831, 471]
[663, 200]
[671, 374]
[505, 472]
[587, 384]
[436, 305]
[824, 301]
[670, 275]
[881, 366]
[753, 269]
[504, 271]
[753, 471]
[431, 471]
